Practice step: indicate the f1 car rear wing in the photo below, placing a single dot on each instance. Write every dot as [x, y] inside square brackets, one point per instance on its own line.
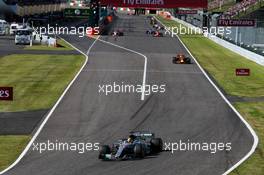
[142, 134]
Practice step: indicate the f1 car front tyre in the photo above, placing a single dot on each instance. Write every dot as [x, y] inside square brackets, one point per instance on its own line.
[139, 151]
[105, 149]
[156, 145]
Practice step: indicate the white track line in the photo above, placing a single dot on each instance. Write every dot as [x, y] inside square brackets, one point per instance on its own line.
[53, 108]
[255, 144]
[145, 65]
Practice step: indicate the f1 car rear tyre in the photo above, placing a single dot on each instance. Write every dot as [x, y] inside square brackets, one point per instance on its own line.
[105, 149]
[139, 151]
[157, 145]
[188, 61]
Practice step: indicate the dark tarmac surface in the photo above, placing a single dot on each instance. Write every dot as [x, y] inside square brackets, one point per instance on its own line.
[12, 123]
[190, 110]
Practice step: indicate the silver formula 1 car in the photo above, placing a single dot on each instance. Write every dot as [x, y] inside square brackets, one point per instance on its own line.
[138, 145]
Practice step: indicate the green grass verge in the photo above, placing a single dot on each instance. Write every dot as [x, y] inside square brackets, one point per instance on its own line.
[10, 148]
[63, 46]
[254, 114]
[38, 80]
[221, 64]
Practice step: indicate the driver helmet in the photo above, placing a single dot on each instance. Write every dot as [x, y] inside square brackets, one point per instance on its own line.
[130, 138]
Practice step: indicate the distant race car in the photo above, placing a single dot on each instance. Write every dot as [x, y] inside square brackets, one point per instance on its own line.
[153, 21]
[117, 33]
[154, 33]
[157, 34]
[162, 28]
[138, 145]
[181, 59]
[157, 27]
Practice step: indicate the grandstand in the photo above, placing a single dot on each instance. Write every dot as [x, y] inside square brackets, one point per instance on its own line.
[32, 2]
[238, 8]
[235, 8]
[220, 5]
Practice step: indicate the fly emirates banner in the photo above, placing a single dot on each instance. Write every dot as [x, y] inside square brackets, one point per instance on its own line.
[156, 3]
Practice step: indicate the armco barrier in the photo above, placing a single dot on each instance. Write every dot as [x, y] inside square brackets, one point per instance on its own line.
[239, 50]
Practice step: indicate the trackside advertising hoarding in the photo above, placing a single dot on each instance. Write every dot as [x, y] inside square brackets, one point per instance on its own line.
[156, 3]
[6, 93]
[242, 72]
[236, 22]
[185, 12]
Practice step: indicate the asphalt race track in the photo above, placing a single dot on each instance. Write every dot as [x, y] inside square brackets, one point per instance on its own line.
[189, 109]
